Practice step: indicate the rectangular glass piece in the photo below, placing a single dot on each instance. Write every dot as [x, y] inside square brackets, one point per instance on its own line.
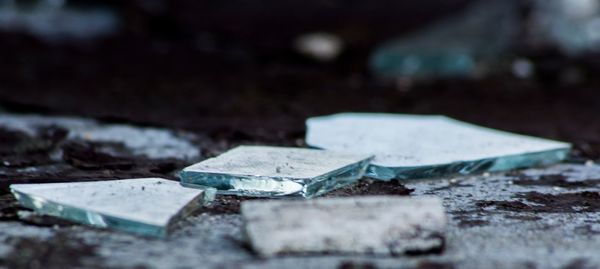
[146, 206]
[276, 171]
[384, 225]
[413, 146]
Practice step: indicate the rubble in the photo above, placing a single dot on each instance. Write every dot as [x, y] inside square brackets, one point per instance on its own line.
[277, 171]
[419, 146]
[381, 225]
[146, 206]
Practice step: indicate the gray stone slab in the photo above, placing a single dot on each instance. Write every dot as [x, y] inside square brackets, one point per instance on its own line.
[381, 225]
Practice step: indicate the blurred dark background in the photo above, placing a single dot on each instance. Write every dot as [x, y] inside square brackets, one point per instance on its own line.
[233, 69]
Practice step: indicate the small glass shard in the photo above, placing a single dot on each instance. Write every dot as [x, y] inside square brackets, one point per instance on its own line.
[413, 146]
[146, 206]
[383, 225]
[276, 171]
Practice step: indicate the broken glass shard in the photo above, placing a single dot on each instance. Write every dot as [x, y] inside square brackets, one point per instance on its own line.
[276, 171]
[462, 45]
[416, 146]
[146, 206]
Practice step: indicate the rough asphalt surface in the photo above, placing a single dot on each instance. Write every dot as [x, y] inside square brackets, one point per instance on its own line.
[534, 218]
[482, 232]
[186, 68]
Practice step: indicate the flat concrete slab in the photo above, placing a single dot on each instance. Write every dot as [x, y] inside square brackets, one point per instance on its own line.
[380, 225]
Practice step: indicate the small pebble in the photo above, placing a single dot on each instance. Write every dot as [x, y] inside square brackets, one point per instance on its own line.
[320, 46]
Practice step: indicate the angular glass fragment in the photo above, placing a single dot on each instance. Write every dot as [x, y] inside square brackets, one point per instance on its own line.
[147, 206]
[414, 146]
[463, 45]
[276, 171]
[384, 225]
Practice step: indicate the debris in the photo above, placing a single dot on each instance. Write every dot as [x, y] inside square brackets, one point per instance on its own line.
[372, 187]
[523, 68]
[19, 149]
[320, 46]
[276, 171]
[154, 143]
[556, 180]
[59, 251]
[460, 46]
[381, 225]
[433, 265]
[118, 204]
[575, 202]
[55, 21]
[417, 146]
[356, 265]
[571, 25]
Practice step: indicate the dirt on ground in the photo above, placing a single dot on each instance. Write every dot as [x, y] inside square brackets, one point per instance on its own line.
[252, 87]
[573, 202]
[260, 90]
[556, 180]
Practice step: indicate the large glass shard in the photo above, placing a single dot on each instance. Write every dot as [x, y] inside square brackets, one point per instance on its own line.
[464, 45]
[276, 171]
[413, 146]
[147, 206]
[382, 225]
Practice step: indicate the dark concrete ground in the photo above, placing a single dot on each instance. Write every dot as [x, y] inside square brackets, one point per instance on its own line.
[215, 76]
[493, 223]
[545, 217]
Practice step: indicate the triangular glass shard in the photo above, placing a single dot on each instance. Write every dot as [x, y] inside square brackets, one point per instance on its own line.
[147, 206]
[276, 171]
[413, 146]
